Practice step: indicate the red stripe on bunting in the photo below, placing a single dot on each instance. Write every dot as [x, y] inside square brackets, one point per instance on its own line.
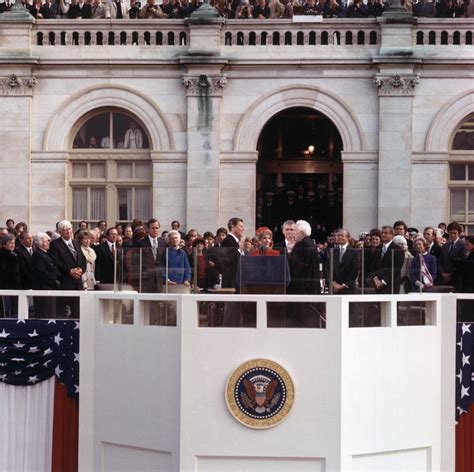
[465, 442]
[65, 431]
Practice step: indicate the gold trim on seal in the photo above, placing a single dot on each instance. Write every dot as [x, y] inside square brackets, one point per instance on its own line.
[240, 415]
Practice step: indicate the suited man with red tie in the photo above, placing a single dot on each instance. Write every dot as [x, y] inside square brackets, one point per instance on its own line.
[345, 264]
[230, 252]
[71, 264]
[153, 249]
[106, 257]
[388, 261]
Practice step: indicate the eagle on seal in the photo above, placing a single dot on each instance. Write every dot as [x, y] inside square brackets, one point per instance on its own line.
[260, 395]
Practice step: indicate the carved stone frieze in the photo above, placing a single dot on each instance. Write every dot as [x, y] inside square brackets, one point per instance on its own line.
[396, 84]
[14, 85]
[205, 85]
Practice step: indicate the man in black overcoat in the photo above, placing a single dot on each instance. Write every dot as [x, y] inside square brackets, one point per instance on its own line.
[71, 264]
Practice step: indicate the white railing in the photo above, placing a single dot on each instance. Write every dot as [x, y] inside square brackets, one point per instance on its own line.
[110, 33]
[330, 32]
[443, 32]
[350, 32]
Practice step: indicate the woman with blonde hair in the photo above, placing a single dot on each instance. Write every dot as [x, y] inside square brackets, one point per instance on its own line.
[88, 277]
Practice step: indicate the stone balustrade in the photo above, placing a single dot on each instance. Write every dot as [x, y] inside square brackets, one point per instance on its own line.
[173, 33]
[337, 32]
[443, 32]
[110, 33]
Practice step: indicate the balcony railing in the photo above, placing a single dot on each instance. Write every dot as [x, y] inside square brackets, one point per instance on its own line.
[110, 33]
[340, 32]
[346, 32]
[443, 32]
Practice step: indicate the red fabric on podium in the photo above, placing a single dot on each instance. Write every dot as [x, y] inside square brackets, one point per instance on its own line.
[465, 442]
[65, 431]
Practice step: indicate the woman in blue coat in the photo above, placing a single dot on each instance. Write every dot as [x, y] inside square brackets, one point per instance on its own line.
[175, 261]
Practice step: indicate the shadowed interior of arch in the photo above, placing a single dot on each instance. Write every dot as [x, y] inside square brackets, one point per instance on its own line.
[299, 170]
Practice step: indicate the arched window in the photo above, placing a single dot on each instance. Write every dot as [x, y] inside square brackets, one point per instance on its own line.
[461, 175]
[110, 168]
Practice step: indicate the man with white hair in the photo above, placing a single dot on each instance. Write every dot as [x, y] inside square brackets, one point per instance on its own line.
[304, 271]
[71, 264]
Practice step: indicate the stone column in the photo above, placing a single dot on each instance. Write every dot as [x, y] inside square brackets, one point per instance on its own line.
[396, 90]
[204, 91]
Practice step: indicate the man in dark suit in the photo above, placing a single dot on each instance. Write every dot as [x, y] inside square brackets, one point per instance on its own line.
[434, 249]
[388, 261]
[451, 253]
[71, 264]
[286, 245]
[153, 249]
[24, 252]
[230, 252]
[107, 255]
[345, 264]
[229, 256]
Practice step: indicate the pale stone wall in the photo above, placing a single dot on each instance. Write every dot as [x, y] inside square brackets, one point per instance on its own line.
[396, 135]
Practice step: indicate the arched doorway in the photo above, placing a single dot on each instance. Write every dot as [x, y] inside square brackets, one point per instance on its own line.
[299, 171]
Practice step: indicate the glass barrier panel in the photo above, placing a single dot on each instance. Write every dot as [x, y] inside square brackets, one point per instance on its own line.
[227, 314]
[129, 270]
[416, 313]
[159, 313]
[53, 307]
[296, 315]
[306, 270]
[117, 312]
[368, 314]
[8, 306]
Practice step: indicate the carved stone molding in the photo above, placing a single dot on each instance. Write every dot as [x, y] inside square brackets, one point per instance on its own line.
[14, 85]
[205, 85]
[396, 84]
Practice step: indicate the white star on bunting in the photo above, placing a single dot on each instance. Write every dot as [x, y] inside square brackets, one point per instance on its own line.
[466, 328]
[58, 338]
[465, 360]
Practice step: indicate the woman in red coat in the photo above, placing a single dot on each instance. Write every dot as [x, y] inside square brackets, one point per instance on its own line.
[265, 238]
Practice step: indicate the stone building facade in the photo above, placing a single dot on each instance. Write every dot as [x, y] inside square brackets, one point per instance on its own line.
[202, 92]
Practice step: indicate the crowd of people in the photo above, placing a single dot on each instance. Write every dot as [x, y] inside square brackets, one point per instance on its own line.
[237, 9]
[391, 259]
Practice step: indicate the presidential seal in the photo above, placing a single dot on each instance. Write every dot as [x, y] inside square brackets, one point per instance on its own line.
[259, 393]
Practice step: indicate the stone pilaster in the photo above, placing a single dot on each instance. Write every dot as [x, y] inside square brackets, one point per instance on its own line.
[16, 93]
[396, 90]
[204, 85]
